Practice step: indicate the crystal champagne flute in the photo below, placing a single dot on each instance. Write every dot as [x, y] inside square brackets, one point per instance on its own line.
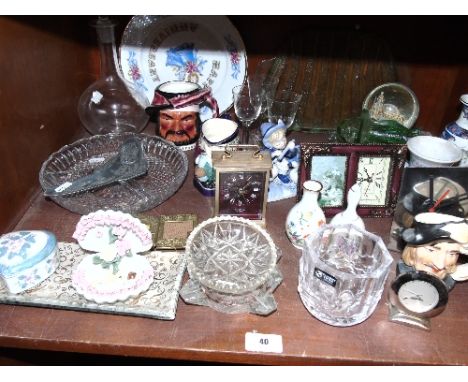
[247, 105]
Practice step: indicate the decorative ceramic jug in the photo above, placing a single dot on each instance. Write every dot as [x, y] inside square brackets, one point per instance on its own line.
[216, 134]
[306, 216]
[457, 131]
[349, 215]
[177, 108]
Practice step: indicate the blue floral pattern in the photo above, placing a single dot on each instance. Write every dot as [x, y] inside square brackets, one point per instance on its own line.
[134, 71]
[185, 61]
[25, 281]
[16, 244]
[235, 58]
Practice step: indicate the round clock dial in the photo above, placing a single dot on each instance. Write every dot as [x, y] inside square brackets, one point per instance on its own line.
[241, 193]
[419, 294]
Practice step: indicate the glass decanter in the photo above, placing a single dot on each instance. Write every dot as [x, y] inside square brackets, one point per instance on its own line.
[111, 105]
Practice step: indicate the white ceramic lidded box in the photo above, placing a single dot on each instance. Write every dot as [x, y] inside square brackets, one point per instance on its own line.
[27, 258]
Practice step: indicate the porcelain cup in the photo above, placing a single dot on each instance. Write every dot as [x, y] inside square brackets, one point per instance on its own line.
[428, 151]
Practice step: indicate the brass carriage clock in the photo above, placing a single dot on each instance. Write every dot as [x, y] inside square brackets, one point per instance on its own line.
[242, 178]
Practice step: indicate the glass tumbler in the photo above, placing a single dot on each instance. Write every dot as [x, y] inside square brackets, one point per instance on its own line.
[283, 105]
[342, 274]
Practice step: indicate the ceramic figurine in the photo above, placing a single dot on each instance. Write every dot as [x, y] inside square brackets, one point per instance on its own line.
[349, 215]
[457, 131]
[434, 245]
[306, 217]
[285, 161]
[216, 134]
[176, 108]
[115, 271]
[428, 269]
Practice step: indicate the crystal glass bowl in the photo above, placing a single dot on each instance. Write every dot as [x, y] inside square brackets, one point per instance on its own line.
[167, 171]
[342, 274]
[393, 101]
[232, 266]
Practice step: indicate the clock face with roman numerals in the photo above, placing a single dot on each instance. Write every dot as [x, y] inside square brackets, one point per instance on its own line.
[374, 178]
[241, 193]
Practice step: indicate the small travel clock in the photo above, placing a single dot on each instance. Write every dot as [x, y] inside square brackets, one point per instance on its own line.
[242, 179]
[415, 297]
[374, 177]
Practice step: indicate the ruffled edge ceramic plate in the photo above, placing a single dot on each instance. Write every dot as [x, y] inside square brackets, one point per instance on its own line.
[94, 231]
[114, 272]
[207, 50]
[102, 285]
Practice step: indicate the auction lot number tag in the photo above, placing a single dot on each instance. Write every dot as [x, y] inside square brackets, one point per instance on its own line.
[264, 343]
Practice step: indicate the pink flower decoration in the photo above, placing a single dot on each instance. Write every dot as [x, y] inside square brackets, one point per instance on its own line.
[123, 246]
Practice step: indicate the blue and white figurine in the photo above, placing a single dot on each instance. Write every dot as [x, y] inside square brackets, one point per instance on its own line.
[285, 161]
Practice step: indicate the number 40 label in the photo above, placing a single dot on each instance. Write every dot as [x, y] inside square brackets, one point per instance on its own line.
[265, 343]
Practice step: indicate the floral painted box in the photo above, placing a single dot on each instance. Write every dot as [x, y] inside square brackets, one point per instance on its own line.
[27, 258]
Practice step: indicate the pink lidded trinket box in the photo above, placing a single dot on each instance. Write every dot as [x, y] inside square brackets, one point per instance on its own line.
[27, 258]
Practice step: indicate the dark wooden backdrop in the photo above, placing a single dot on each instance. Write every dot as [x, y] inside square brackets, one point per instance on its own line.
[47, 61]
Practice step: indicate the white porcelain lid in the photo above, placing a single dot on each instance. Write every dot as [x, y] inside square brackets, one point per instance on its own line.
[218, 130]
[21, 250]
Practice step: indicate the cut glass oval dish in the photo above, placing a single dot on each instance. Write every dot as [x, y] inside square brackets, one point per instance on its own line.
[232, 265]
[207, 50]
[167, 170]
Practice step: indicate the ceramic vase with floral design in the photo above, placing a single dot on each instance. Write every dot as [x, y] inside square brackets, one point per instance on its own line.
[457, 131]
[306, 217]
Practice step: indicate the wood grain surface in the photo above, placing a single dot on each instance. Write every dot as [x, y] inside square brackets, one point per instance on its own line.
[202, 334]
[46, 64]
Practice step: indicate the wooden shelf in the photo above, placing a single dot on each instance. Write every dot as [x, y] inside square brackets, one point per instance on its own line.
[202, 334]
[53, 59]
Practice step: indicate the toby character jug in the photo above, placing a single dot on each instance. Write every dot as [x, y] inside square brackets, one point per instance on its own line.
[176, 108]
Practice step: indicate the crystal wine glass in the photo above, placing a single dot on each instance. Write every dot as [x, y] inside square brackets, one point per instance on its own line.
[247, 105]
[284, 106]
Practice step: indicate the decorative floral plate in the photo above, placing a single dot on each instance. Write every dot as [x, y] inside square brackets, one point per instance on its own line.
[207, 50]
[102, 285]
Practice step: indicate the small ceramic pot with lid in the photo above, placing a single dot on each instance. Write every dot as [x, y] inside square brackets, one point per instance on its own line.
[27, 258]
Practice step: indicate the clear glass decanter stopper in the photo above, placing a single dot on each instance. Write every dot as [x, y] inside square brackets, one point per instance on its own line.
[111, 105]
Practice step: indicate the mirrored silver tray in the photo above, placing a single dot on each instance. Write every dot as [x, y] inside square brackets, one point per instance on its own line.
[57, 291]
[167, 171]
